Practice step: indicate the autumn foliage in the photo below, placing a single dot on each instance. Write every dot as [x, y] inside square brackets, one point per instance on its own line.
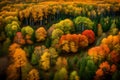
[61, 62]
[19, 38]
[71, 42]
[13, 47]
[113, 42]
[40, 34]
[114, 56]
[99, 53]
[45, 61]
[105, 69]
[90, 35]
[18, 60]
[33, 75]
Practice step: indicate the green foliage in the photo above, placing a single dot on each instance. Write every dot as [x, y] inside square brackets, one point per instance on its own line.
[6, 45]
[104, 35]
[25, 70]
[34, 59]
[53, 52]
[70, 64]
[113, 29]
[2, 36]
[61, 74]
[116, 75]
[56, 34]
[105, 22]
[12, 28]
[27, 30]
[65, 25]
[74, 75]
[83, 23]
[88, 67]
[48, 42]
[29, 50]
[118, 22]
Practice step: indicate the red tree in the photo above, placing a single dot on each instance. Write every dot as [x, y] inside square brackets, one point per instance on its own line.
[90, 35]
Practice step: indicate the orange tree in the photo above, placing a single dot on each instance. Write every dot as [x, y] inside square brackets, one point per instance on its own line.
[71, 42]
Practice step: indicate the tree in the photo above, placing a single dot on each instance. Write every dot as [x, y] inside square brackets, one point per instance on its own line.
[65, 25]
[105, 71]
[53, 52]
[83, 41]
[61, 62]
[19, 59]
[83, 23]
[53, 55]
[113, 29]
[114, 56]
[39, 50]
[19, 38]
[87, 66]
[99, 53]
[12, 48]
[71, 42]
[45, 61]
[105, 22]
[40, 34]
[28, 32]
[100, 31]
[74, 75]
[56, 34]
[34, 59]
[33, 75]
[90, 35]
[6, 45]
[12, 72]
[12, 28]
[112, 42]
[9, 19]
[61, 74]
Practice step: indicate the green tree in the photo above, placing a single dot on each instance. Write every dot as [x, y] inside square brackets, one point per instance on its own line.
[56, 34]
[12, 28]
[61, 74]
[83, 23]
[6, 45]
[74, 75]
[34, 59]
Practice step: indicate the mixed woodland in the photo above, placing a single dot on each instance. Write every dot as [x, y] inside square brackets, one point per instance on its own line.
[60, 40]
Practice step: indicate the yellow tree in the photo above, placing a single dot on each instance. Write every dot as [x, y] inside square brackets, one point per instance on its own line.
[33, 75]
[45, 61]
[40, 34]
[61, 62]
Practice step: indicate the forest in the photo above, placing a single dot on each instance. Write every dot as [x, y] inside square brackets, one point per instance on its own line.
[59, 39]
